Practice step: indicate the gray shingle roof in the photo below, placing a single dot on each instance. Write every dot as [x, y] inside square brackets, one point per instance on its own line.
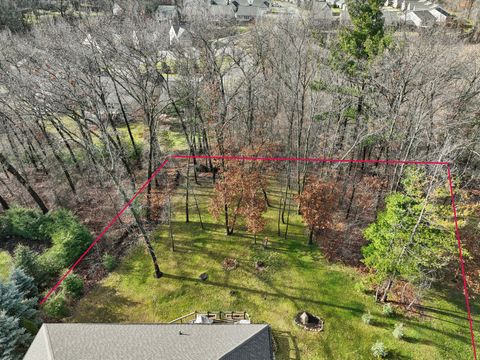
[248, 11]
[425, 15]
[151, 341]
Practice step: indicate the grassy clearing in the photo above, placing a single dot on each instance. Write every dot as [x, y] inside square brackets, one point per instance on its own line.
[6, 263]
[299, 279]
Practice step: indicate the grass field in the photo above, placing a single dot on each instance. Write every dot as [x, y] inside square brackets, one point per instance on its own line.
[5, 265]
[298, 279]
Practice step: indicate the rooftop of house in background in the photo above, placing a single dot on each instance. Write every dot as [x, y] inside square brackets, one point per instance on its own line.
[151, 341]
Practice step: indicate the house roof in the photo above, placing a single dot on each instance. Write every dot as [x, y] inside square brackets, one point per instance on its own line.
[222, 10]
[255, 3]
[151, 341]
[442, 11]
[425, 15]
[248, 11]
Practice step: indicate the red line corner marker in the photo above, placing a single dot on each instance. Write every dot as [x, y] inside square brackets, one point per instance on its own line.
[314, 160]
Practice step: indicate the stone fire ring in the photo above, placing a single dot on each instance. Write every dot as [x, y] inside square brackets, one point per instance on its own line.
[309, 321]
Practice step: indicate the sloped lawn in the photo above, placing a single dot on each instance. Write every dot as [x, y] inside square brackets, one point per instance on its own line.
[298, 279]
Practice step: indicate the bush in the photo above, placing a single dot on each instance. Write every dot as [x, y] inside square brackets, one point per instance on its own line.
[388, 310]
[398, 332]
[69, 238]
[27, 223]
[367, 318]
[109, 262]
[73, 286]
[5, 226]
[26, 259]
[360, 287]
[379, 350]
[56, 307]
[33, 265]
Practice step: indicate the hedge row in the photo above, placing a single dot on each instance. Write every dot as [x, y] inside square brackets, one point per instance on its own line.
[67, 238]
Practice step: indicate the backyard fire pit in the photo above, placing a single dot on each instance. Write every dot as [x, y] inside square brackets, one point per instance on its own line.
[309, 321]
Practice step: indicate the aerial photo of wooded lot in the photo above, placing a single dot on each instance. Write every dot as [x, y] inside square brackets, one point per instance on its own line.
[252, 179]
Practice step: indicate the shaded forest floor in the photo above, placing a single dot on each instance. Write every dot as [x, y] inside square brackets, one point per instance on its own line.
[298, 277]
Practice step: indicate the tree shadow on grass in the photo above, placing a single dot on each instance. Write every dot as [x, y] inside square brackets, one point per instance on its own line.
[396, 355]
[286, 345]
[415, 324]
[264, 293]
[107, 310]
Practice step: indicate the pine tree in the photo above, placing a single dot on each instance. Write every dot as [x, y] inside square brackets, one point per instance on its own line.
[365, 40]
[28, 261]
[13, 338]
[408, 241]
[14, 304]
[25, 284]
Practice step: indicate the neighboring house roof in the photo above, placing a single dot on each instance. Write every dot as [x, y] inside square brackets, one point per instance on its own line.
[424, 16]
[166, 11]
[252, 11]
[222, 10]
[151, 341]
[392, 17]
[442, 11]
[256, 3]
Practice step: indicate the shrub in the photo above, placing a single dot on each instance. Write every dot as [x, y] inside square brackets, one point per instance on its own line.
[69, 238]
[33, 265]
[109, 262]
[5, 226]
[28, 261]
[27, 223]
[367, 318]
[73, 286]
[398, 332]
[360, 287]
[56, 307]
[388, 310]
[379, 350]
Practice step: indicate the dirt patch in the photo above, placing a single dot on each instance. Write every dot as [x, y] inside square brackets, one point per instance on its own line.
[10, 243]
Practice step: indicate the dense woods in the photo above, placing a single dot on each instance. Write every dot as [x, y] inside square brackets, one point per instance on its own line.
[90, 107]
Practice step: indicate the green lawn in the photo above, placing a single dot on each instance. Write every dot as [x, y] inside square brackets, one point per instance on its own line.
[5, 265]
[299, 279]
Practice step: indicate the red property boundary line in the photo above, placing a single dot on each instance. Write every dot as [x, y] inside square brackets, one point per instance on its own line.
[313, 160]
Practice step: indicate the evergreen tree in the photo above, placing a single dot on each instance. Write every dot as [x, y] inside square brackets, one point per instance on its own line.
[25, 284]
[408, 240]
[363, 41]
[14, 304]
[13, 338]
[28, 261]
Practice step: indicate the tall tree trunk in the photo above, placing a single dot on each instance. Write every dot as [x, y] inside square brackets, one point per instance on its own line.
[138, 221]
[58, 158]
[310, 237]
[170, 229]
[4, 203]
[24, 182]
[198, 209]
[266, 198]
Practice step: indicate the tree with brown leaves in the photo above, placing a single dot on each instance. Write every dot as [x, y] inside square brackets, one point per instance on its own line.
[316, 204]
[239, 194]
